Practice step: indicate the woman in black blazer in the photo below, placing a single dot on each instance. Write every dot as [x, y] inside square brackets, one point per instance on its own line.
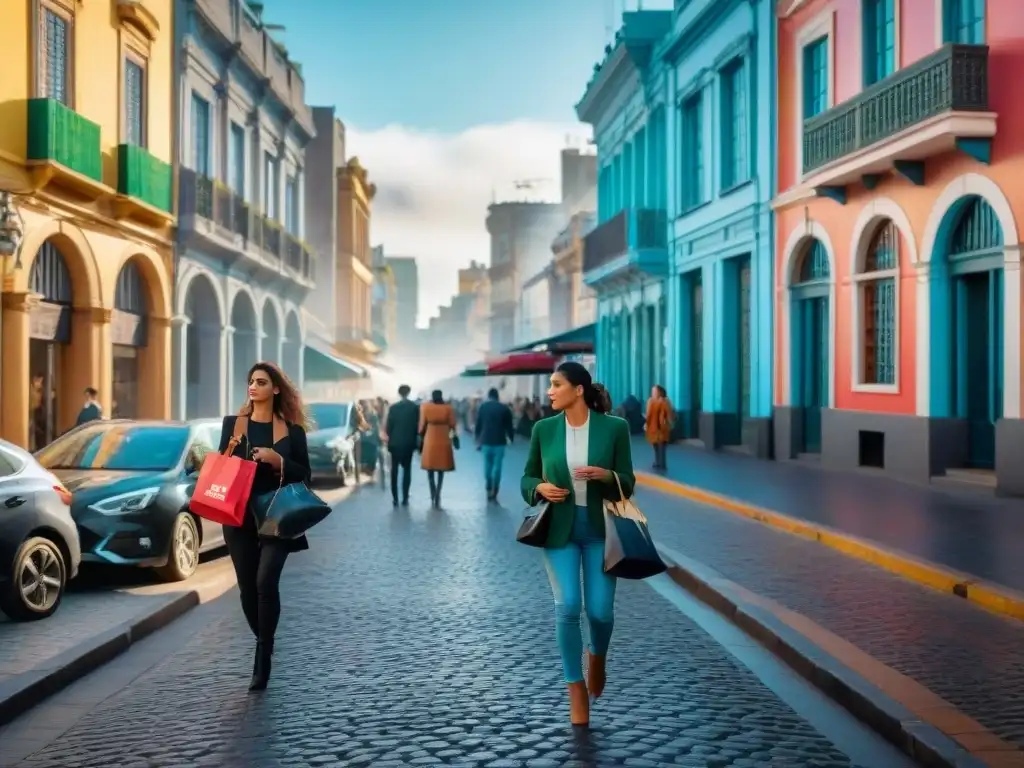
[270, 430]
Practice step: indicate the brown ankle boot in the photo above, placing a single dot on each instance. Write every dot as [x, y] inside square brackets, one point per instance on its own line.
[595, 674]
[579, 704]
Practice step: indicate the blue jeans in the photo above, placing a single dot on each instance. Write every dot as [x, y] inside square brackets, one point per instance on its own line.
[494, 456]
[585, 549]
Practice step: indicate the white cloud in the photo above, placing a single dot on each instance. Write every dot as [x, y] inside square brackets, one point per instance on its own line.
[433, 190]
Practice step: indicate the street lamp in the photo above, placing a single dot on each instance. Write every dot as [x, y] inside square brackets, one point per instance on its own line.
[12, 231]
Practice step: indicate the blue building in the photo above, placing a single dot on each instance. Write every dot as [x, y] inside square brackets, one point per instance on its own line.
[719, 66]
[626, 256]
[243, 269]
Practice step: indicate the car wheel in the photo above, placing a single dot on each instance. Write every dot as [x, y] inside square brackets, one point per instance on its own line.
[38, 580]
[183, 554]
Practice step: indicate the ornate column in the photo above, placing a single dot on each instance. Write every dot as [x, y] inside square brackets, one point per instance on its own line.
[155, 379]
[227, 347]
[89, 359]
[14, 377]
[179, 393]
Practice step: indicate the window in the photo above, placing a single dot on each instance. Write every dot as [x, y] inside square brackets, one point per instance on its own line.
[237, 159]
[54, 53]
[134, 100]
[964, 21]
[270, 202]
[735, 126]
[879, 40]
[877, 285]
[816, 77]
[201, 135]
[692, 193]
[105, 445]
[291, 204]
[9, 464]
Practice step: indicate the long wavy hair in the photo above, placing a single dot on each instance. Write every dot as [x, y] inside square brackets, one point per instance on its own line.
[288, 403]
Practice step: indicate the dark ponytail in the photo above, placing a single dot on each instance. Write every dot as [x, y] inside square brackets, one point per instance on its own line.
[594, 395]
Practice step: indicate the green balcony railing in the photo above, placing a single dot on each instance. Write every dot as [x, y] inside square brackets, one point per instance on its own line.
[58, 133]
[144, 177]
[954, 78]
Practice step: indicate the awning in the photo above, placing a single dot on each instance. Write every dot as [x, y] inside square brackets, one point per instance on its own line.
[477, 370]
[523, 364]
[576, 340]
[322, 365]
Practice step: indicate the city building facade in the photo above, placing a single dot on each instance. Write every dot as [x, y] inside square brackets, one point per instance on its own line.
[572, 303]
[384, 309]
[898, 254]
[407, 300]
[87, 300]
[719, 62]
[626, 257]
[244, 268]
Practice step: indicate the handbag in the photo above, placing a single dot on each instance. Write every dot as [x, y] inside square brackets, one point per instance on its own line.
[455, 441]
[225, 483]
[533, 531]
[288, 511]
[629, 550]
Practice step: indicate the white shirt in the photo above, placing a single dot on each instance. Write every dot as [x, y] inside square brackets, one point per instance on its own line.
[577, 454]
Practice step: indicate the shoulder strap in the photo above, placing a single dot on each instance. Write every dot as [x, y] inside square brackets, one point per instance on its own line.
[241, 422]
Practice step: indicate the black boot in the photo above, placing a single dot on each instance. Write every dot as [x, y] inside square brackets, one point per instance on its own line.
[261, 667]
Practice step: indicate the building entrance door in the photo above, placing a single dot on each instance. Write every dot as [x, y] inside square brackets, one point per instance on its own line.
[814, 383]
[978, 366]
[696, 355]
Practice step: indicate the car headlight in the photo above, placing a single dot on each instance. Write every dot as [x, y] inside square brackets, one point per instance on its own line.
[124, 503]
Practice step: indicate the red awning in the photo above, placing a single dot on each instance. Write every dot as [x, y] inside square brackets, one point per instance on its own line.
[523, 364]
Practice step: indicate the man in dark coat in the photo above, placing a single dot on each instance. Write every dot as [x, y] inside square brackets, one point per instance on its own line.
[402, 430]
[493, 430]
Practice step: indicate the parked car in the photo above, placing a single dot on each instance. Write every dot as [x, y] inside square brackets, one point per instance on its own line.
[130, 484]
[331, 447]
[39, 548]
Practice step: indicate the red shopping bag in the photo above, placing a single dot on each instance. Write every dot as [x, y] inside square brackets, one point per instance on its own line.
[222, 490]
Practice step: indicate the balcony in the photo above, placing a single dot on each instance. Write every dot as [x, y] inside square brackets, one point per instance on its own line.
[145, 186]
[297, 256]
[220, 210]
[937, 104]
[360, 341]
[64, 149]
[631, 244]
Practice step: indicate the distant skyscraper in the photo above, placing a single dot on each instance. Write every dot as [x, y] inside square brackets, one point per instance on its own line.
[407, 295]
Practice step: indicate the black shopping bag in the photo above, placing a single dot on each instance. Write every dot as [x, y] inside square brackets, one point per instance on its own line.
[629, 551]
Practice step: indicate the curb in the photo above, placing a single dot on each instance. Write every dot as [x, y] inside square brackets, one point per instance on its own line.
[994, 597]
[914, 719]
[21, 692]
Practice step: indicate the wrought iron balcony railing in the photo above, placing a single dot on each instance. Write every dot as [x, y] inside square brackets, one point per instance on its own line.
[954, 78]
[631, 229]
[208, 199]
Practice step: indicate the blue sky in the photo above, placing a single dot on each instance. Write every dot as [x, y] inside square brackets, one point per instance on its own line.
[447, 103]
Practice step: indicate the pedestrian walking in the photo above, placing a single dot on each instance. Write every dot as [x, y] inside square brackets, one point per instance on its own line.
[494, 429]
[401, 429]
[573, 461]
[91, 409]
[658, 425]
[436, 428]
[274, 408]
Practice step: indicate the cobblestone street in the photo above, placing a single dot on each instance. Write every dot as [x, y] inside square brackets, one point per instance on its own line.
[419, 637]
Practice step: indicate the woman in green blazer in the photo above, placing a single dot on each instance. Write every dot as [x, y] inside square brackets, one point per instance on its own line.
[574, 457]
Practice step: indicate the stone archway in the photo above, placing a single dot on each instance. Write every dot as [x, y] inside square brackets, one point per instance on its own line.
[201, 358]
[244, 346]
[292, 356]
[272, 335]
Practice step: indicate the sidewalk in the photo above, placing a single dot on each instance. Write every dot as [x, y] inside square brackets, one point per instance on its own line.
[979, 536]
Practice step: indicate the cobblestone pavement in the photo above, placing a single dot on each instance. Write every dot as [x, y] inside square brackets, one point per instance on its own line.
[966, 531]
[418, 637]
[972, 658]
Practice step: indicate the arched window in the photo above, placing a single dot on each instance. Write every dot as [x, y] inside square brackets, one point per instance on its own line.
[877, 286]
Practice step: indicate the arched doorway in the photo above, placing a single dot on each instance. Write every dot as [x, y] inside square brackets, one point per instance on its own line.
[243, 346]
[292, 356]
[50, 400]
[271, 334]
[204, 370]
[967, 325]
[811, 339]
[128, 335]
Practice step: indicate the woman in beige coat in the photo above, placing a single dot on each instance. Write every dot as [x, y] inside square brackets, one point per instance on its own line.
[437, 427]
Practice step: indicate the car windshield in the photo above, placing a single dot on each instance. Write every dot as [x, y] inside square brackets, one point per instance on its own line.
[329, 415]
[130, 447]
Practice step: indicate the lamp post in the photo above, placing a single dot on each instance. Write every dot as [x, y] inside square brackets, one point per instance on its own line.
[12, 234]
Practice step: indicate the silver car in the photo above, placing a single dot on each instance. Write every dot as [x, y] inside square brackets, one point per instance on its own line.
[39, 546]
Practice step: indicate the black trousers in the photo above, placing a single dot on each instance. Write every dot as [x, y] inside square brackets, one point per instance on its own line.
[436, 480]
[258, 564]
[403, 460]
[660, 455]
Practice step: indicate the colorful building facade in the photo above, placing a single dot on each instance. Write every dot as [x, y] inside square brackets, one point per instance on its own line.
[901, 189]
[86, 149]
[719, 61]
[626, 256]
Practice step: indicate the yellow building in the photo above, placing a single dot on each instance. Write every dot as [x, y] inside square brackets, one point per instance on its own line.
[86, 108]
[354, 291]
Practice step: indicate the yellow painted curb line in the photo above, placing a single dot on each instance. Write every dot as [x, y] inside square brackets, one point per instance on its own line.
[994, 597]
